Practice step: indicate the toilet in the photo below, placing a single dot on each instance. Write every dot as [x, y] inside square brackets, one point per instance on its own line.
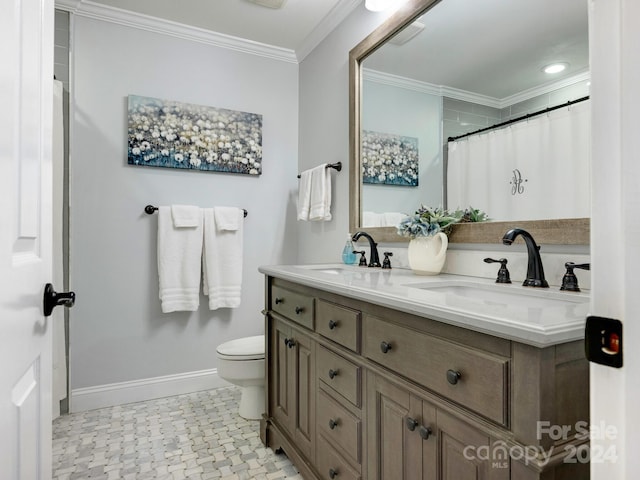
[241, 362]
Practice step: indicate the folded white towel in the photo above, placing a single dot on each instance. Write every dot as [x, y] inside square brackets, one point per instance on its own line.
[179, 263]
[227, 218]
[320, 208]
[222, 259]
[304, 195]
[186, 216]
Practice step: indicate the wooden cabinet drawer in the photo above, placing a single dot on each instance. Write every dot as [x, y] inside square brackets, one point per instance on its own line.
[340, 324]
[331, 465]
[295, 306]
[339, 426]
[339, 374]
[482, 384]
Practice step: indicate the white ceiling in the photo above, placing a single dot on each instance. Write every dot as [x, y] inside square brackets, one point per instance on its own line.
[494, 48]
[287, 27]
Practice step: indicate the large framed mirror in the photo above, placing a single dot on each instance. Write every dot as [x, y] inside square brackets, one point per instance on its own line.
[433, 46]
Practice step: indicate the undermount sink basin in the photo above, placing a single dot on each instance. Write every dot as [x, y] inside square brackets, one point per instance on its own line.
[326, 269]
[507, 295]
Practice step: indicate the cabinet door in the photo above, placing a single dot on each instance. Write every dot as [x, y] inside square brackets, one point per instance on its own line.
[304, 391]
[396, 449]
[467, 454]
[282, 375]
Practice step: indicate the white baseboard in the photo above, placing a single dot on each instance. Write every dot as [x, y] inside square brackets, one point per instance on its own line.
[90, 398]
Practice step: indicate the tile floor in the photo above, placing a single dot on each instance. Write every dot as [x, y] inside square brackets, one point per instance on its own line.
[194, 436]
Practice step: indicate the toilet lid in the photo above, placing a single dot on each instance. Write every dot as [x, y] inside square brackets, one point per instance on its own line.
[248, 348]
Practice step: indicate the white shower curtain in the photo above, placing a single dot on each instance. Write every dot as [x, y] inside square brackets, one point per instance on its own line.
[534, 169]
[59, 355]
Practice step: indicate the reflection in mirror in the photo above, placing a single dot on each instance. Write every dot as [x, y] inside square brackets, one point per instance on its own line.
[459, 66]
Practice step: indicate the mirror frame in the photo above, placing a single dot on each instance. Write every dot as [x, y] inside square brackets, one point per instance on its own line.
[565, 231]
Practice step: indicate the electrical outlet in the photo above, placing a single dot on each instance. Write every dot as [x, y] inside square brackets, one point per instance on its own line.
[603, 341]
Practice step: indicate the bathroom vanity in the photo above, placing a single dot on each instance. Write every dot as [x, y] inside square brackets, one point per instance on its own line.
[382, 374]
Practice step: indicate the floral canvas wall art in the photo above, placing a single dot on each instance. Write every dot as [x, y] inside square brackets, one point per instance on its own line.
[165, 133]
[389, 159]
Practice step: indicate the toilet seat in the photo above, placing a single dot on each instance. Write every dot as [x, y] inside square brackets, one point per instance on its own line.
[248, 348]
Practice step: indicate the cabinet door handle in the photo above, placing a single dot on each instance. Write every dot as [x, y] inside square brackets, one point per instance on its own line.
[412, 423]
[333, 473]
[291, 344]
[333, 373]
[286, 342]
[333, 423]
[453, 376]
[385, 347]
[299, 310]
[425, 432]
[332, 324]
[279, 300]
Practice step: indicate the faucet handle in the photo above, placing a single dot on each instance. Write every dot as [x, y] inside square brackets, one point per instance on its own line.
[503, 272]
[569, 280]
[386, 263]
[363, 259]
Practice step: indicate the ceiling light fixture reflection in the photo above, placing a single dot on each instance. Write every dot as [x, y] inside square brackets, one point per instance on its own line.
[381, 5]
[555, 68]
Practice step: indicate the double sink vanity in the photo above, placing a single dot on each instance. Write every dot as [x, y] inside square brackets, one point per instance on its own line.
[383, 374]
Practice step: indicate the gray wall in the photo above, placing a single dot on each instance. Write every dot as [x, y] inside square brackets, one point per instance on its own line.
[324, 129]
[401, 111]
[118, 332]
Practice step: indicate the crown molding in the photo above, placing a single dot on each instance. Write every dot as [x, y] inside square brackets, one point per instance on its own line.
[457, 94]
[337, 14]
[88, 9]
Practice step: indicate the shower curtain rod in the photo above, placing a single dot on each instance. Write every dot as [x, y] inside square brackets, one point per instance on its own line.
[514, 120]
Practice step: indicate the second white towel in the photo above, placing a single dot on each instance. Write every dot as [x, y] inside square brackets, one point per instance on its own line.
[222, 256]
[314, 194]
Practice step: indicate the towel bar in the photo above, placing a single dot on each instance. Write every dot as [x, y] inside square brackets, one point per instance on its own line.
[336, 166]
[150, 210]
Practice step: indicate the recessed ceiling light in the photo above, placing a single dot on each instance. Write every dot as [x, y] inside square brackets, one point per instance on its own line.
[555, 68]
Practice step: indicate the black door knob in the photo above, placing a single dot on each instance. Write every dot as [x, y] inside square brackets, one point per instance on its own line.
[385, 347]
[332, 324]
[52, 299]
[412, 423]
[299, 310]
[332, 373]
[333, 423]
[425, 432]
[333, 473]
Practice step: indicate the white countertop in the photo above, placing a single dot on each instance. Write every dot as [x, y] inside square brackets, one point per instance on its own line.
[535, 316]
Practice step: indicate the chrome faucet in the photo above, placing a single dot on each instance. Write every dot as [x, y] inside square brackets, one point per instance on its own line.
[374, 259]
[535, 272]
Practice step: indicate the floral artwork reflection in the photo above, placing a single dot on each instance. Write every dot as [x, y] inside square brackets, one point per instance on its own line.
[389, 159]
[165, 133]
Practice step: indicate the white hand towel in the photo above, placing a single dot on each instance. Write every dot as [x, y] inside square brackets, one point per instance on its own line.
[179, 263]
[304, 195]
[186, 216]
[222, 259]
[320, 208]
[227, 218]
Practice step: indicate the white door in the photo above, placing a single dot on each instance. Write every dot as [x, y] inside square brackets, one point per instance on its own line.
[26, 82]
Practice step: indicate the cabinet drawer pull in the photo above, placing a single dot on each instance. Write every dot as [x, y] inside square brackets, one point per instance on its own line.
[412, 423]
[333, 373]
[333, 423]
[385, 347]
[332, 324]
[299, 310]
[333, 473]
[425, 432]
[289, 342]
[453, 376]
[279, 300]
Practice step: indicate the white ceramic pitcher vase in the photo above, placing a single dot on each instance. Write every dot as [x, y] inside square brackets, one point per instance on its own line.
[427, 254]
